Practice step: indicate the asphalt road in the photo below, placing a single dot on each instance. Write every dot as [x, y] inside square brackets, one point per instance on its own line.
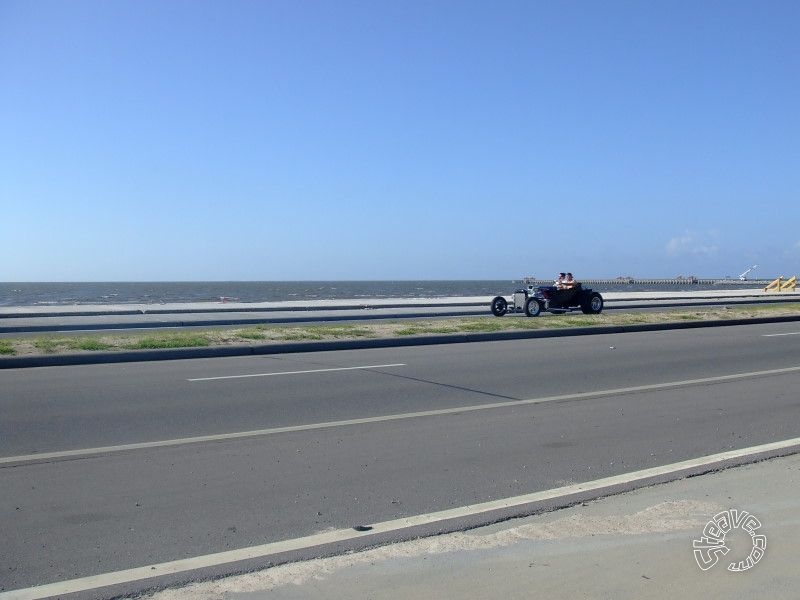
[70, 517]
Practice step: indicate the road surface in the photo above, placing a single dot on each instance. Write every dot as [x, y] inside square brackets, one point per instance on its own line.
[513, 418]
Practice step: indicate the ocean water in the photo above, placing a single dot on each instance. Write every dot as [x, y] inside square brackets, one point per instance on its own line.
[32, 294]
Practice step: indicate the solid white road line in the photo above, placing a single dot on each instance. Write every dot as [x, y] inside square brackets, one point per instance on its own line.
[296, 372]
[780, 334]
[84, 584]
[44, 456]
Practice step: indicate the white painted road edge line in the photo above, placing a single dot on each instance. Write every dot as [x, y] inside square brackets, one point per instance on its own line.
[780, 334]
[341, 535]
[296, 372]
[44, 456]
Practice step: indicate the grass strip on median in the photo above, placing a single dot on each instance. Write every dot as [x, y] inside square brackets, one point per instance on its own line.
[167, 340]
[265, 334]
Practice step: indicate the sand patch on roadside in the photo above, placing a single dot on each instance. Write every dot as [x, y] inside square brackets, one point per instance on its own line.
[664, 517]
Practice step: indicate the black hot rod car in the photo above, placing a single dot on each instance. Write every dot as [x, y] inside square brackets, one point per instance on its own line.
[549, 298]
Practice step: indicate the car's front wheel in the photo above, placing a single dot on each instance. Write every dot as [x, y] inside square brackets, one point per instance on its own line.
[499, 306]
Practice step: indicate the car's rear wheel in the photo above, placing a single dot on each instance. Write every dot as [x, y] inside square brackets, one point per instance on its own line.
[499, 306]
[532, 307]
[592, 304]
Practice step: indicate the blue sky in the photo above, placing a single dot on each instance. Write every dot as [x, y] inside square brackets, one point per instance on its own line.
[397, 140]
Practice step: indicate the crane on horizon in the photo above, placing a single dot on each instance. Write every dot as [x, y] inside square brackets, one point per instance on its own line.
[743, 276]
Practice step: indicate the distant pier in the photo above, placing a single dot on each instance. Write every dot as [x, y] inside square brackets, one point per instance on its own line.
[675, 281]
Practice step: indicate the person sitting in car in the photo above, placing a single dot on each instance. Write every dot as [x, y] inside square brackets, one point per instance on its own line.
[569, 282]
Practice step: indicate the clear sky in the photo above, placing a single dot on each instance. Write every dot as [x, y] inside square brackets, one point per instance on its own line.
[289, 140]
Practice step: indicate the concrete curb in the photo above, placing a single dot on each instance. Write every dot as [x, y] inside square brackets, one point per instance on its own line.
[215, 309]
[21, 362]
